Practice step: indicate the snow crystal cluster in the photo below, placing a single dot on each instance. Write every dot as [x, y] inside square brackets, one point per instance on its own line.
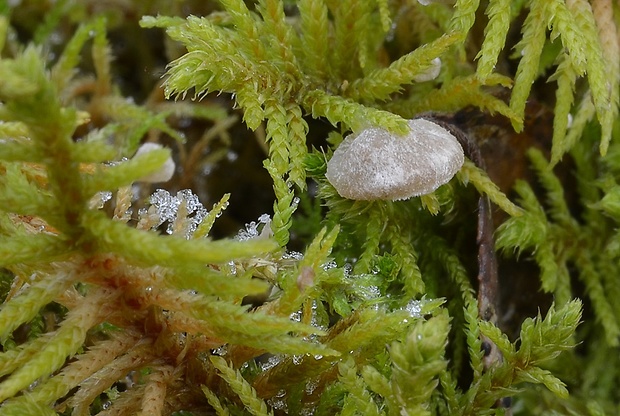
[260, 228]
[99, 199]
[167, 207]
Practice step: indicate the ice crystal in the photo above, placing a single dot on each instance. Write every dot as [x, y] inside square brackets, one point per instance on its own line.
[373, 292]
[260, 228]
[415, 307]
[278, 401]
[295, 316]
[311, 385]
[221, 350]
[271, 362]
[167, 207]
[330, 265]
[99, 199]
[292, 255]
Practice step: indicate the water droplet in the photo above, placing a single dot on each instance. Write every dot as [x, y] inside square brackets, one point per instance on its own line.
[231, 156]
[330, 265]
[232, 266]
[294, 255]
[271, 362]
[207, 168]
[184, 122]
[221, 350]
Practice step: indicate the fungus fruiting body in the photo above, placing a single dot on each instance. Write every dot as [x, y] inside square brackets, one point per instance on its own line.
[377, 165]
[431, 73]
[165, 172]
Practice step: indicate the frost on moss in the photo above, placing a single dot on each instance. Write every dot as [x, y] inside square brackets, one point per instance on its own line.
[119, 297]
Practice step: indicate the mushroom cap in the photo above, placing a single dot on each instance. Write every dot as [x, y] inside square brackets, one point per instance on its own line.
[165, 172]
[376, 164]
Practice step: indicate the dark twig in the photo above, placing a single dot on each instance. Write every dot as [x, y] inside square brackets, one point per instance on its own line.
[488, 282]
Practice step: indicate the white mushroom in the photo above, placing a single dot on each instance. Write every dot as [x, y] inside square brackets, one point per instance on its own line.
[376, 164]
[431, 73]
[165, 172]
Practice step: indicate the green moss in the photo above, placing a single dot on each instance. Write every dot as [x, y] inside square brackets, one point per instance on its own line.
[118, 297]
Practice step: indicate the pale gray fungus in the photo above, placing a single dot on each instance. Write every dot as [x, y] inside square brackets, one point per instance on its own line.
[431, 73]
[376, 164]
[165, 172]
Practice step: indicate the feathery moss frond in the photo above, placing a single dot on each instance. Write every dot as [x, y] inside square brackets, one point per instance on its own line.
[42, 247]
[525, 231]
[471, 173]
[463, 17]
[600, 300]
[105, 313]
[338, 109]
[408, 260]
[215, 403]
[343, 55]
[610, 43]
[417, 362]
[65, 342]
[558, 208]
[375, 228]
[23, 308]
[585, 31]
[457, 93]
[240, 386]
[566, 77]
[530, 47]
[149, 248]
[283, 40]
[315, 37]
[379, 84]
[205, 226]
[358, 395]
[499, 22]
